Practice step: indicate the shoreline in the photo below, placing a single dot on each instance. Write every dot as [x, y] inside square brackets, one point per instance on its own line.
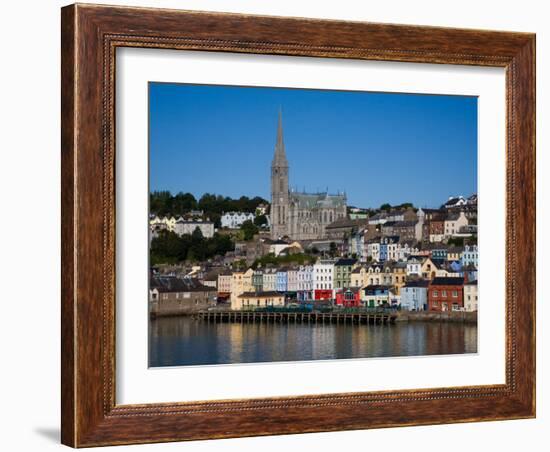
[399, 316]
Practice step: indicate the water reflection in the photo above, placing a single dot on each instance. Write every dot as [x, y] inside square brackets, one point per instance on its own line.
[178, 341]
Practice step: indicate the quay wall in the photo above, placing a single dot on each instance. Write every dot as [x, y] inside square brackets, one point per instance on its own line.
[433, 316]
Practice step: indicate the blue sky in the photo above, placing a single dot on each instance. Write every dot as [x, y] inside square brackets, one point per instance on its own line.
[378, 147]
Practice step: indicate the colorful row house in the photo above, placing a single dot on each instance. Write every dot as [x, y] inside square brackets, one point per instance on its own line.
[446, 294]
[348, 298]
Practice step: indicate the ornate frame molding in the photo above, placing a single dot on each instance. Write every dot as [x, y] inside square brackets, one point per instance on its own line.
[90, 36]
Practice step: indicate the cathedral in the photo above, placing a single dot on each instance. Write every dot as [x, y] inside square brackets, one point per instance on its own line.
[300, 216]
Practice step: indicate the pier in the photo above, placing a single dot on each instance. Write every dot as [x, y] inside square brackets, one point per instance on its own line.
[312, 318]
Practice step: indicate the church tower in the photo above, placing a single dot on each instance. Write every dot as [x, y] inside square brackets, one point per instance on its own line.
[279, 187]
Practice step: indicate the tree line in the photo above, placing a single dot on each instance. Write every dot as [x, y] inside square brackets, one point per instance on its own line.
[170, 248]
[163, 203]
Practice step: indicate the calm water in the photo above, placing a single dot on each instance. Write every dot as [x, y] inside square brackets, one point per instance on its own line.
[178, 341]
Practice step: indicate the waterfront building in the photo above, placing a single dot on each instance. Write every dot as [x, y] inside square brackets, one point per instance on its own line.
[348, 298]
[234, 220]
[399, 275]
[236, 286]
[323, 274]
[258, 280]
[469, 256]
[247, 280]
[323, 294]
[305, 282]
[414, 295]
[183, 227]
[281, 281]
[292, 280]
[269, 279]
[170, 295]
[446, 294]
[374, 296]
[224, 283]
[250, 300]
[300, 216]
[342, 272]
[470, 296]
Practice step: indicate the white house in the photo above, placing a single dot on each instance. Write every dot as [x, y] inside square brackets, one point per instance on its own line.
[305, 282]
[414, 267]
[470, 296]
[404, 250]
[455, 201]
[234, 220]
[188, 227]
[269, 279]
[469, 256]
[373, 250]
[323, 274]
[454, 222]
[414, 295]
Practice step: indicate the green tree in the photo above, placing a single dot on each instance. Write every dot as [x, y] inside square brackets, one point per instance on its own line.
[333, 249]
[456, 241]
[260, 220]
[249, 229]
[385, 206]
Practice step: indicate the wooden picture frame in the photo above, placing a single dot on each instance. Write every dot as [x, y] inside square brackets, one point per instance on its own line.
[90, 35]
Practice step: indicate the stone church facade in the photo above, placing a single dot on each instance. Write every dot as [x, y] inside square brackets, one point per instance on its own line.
[300, 216]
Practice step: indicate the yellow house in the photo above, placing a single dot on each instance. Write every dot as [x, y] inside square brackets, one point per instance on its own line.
[399, 275]
[168, 222]
[358, 277]
[251, 300]
[247, 281]
[428, 269]
[453, 254]
[240, 282]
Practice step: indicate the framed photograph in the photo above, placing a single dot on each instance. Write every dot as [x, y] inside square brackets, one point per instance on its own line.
[282, 225]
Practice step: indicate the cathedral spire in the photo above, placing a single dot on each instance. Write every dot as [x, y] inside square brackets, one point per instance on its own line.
[279, 159]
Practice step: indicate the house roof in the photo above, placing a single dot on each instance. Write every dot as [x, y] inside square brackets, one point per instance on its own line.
[344, 223]
[417, 283]
[471, 283]
[447, 281]
[345, 261]
[172, 284]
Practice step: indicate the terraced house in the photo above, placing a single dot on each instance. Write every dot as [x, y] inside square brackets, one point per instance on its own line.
[342, 273]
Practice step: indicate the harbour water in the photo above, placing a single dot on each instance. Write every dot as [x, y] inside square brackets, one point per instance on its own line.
[180, 341]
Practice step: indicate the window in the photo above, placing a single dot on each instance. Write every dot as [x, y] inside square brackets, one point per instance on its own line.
[435, 294]
[443, 293]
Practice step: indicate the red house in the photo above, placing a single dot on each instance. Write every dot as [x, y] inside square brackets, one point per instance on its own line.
[446, 294]
[349, 298]
[323, 294]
